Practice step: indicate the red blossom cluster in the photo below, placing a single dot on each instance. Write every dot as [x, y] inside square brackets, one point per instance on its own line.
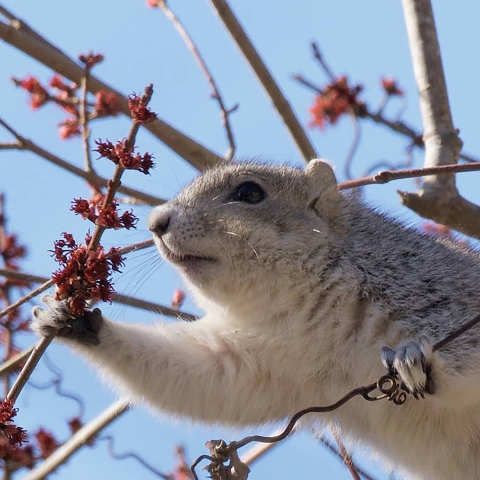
[84, 274]
[91, 59]
[12, 438]
[390, 86]
[122, 154]
[75, 424]
[107, 217]
[15, 435]
[11, 252]
[106, 105]
[66, 97]
[140, 112]
[46, 443]
[38, 93]
[334, 100]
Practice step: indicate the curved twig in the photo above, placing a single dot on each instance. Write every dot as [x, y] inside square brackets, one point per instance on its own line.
[135, 456]
[269, 84]
[225, 112]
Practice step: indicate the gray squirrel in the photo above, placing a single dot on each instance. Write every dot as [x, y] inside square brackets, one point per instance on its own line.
[308, 294]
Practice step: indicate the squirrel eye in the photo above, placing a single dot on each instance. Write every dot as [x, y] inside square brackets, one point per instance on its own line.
[248, 192]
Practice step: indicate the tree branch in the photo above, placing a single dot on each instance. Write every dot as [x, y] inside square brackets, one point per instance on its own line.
[454, 212]
[89, 175]
[117, 297]
[225, 112]
[438, 199]
[266, 79]
[78, 440]
[25, 39]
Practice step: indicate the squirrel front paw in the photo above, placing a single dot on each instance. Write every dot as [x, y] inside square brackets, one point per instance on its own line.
[57, 319]
[411, 362]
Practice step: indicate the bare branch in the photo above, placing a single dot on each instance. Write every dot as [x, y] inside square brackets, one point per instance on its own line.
[117, 297]
[84, 120]
[29, 367]
[26, 298]
[226, 112]
[265, 77]
[346, 457]
[317, 54]
[13, 363]
[388, 175]
[442, 144]
[34, 45]
[438, 199]
[90, 176]
[78, 440]
[326, 443]
[456, 212]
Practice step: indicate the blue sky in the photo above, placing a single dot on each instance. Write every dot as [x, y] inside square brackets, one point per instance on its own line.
[365, 40]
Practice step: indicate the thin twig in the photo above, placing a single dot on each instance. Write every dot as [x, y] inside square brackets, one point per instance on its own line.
[353, 147]
[186, 37]
[26, 298]
[117, 297]
[327, 444]
[56, 383]
[29, 367]
[133, 455]
[388, 176]
[90, 176]
[345, 456]
[321, 60]
[271, 87]
[115, 182]
[84, 120]
[13, 364]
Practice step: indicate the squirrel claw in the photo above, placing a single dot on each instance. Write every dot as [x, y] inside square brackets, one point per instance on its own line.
[411, 364]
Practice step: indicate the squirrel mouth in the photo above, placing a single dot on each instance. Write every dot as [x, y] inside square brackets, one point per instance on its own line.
[182, 259]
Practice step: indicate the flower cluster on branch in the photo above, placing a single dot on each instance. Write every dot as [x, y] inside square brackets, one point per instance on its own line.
[123, 154]
[84, 274]
[139, 109]
[106, 216]
[66, 96]
[336, 99]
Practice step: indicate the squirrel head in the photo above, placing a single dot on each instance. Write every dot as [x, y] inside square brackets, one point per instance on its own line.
[242, 232]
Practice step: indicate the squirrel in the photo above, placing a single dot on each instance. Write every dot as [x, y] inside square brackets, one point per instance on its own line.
[308, 294]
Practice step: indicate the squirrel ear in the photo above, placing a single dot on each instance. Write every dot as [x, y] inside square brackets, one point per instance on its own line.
[323, 194]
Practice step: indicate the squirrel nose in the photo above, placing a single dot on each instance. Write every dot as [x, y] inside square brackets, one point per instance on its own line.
[159, 220]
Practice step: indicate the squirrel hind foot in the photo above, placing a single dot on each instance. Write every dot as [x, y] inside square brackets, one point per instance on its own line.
[411, 363]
